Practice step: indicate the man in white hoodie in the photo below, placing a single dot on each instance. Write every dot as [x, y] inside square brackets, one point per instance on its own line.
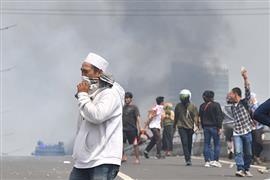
[97, 149]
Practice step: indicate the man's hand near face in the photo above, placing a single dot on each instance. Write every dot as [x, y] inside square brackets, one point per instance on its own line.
[83, 87]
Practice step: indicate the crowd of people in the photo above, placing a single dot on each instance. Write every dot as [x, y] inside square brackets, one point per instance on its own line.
[106, 114]
[238, 121]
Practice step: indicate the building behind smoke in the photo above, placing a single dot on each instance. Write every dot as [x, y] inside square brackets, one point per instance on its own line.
[198, 78]
[221, 85]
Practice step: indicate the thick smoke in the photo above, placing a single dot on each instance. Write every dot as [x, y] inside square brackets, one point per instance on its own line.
[149, 55]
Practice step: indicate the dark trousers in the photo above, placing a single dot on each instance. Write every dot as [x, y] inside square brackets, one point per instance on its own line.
[155, 140]
[167, 138]
[257, 142]
[102, 172]
[186, 139]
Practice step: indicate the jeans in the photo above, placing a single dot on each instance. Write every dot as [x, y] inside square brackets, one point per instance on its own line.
[209, 154]
[155, 140]
[186, 139]
[167, 138]
[257, 142]
[243, 151]
[102, 172]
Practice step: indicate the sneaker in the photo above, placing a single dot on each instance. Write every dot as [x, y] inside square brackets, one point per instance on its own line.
[240, 173]
[158, 156]
[248, 174]
[188, 163]
[207, 164]
[145, 153]
[215, 164]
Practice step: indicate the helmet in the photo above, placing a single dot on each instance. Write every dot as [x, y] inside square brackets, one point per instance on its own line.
[185, 94]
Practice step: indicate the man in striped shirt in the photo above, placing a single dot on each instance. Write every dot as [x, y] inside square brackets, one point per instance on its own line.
[243, 126]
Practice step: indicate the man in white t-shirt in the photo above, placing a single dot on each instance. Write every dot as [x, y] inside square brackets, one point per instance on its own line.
[154, 123]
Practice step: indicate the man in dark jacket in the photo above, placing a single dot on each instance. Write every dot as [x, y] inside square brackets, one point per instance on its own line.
[211, 120]
[262, 113]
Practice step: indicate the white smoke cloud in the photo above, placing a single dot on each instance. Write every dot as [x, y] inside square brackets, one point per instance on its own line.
[47, 51]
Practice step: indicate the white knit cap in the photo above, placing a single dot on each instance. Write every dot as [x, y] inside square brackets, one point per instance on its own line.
[97, 61]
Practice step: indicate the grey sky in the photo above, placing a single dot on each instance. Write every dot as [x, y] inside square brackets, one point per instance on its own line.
[46, 52]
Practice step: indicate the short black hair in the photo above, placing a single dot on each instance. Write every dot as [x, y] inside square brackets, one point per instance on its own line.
[237, 91]
[128, 95]
[209, 94]
[159, 100]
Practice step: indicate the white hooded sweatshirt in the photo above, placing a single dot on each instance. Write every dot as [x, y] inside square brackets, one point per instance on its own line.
[99, 135]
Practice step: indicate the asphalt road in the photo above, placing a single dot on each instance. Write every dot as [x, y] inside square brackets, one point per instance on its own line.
[171, 168]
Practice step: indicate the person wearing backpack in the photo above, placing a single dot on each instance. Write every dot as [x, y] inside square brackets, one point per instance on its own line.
[243, 126]
[211, 118]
